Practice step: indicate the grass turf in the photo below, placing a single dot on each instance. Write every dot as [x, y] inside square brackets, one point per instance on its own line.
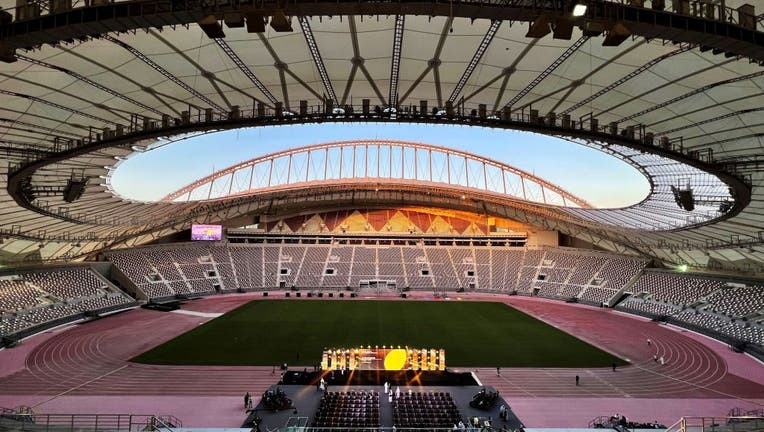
[473, 334]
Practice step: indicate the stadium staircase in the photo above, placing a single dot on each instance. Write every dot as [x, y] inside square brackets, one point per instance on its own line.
[620, 295]
[302, 263]
[747, 423]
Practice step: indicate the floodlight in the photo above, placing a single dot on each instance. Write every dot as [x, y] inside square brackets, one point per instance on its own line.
[579, 10]
[682, 268]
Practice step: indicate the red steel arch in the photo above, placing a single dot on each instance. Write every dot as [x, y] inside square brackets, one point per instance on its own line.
[380, 160]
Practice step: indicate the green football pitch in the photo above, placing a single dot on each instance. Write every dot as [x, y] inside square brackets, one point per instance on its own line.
[282, 331]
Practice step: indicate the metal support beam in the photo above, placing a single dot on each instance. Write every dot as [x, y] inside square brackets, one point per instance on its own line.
[88, 81]
[627, 77]
[55, 105]
[144, 58]
[481, 49]
[555, 64]
[244, 69]
[317, 59]
[395, 63]
[433, 64]
[689, 94]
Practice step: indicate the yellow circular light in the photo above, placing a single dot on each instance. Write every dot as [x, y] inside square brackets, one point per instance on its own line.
[395, 359]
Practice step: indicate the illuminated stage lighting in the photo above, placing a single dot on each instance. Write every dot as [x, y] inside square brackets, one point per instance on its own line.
[579, 10]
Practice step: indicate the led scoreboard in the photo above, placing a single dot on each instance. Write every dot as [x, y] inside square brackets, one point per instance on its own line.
[383, 359]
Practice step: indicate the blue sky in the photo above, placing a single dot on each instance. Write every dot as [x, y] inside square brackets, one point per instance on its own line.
[598, 178]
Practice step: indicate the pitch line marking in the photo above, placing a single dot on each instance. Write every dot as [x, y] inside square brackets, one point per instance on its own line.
[701, 386]
[81, 385]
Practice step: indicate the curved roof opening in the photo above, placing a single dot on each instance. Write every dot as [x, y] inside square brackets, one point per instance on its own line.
[600, 179]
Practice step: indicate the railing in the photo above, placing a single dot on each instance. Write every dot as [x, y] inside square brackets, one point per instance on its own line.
[467, 427]
[717, 424]
[84, 422]
[697, 8]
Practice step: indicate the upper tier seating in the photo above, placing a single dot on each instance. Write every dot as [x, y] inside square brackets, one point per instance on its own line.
[737, 301]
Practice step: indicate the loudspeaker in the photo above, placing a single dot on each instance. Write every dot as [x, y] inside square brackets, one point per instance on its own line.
[234, 20]
[211, 27]
[539, 28]
[265, 293]
[286, 294]
[255, 23]
[281, 22]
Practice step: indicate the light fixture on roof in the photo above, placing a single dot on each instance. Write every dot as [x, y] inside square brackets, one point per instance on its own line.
[211, 27]
[616, 35]
[280, 22]
[539, 28]
[579, 9]
[7, 54]
[563, 29]
[681, 268]
[255, 22]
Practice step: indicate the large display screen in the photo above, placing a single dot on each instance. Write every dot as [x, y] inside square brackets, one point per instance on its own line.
[206, 232]
[384, 359]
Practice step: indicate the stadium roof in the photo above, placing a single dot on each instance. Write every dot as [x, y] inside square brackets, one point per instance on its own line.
[87, 86]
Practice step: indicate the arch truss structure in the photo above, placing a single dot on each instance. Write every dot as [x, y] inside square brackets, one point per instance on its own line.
[380, 162]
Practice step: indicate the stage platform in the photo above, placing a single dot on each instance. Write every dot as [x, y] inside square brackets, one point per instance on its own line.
[379, 377]
[306, 400]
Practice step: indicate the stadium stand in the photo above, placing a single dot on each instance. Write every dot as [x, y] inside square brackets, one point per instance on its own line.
[643, 307]
[673, 288]
[737, 301]
[341, 266]
[29, 301]
[733, 311]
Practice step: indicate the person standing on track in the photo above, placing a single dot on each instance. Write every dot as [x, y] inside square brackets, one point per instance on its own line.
[649, 342]
[577, 379]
